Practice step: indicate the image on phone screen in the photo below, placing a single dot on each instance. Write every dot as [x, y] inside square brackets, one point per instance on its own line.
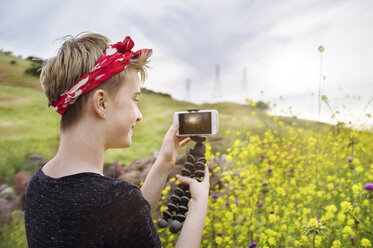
[195, 123]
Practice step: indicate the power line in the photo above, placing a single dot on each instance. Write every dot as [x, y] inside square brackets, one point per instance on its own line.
[244, 85]
[217, 86]
[187, 90]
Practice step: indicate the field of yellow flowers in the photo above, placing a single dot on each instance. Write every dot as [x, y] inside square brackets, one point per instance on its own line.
[291, 187]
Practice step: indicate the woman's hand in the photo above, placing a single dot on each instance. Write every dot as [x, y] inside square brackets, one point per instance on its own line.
[171, 146]
[198, 190]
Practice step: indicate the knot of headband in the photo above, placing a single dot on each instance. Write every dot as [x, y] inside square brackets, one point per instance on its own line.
[114, 60]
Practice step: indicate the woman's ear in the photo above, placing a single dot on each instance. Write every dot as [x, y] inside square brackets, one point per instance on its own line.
[99, 101]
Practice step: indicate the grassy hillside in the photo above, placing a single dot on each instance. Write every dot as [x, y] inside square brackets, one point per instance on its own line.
[13, 74]
[28, 126]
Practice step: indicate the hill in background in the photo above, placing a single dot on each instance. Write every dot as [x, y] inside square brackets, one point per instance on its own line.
[28, 126]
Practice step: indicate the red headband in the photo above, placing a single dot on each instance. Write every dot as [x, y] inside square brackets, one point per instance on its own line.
[115, 59]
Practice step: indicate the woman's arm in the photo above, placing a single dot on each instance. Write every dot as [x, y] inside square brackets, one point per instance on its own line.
[191, 233]
[154, 183]
[156, 179]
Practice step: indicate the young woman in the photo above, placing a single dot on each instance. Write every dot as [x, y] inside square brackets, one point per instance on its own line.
[95, 87]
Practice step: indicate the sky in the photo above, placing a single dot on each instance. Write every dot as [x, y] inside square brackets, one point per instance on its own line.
[267, 50]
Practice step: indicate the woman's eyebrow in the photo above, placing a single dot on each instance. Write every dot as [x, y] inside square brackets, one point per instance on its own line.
[137, 93]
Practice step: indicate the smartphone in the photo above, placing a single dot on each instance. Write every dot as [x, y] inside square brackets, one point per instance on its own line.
[197, 123]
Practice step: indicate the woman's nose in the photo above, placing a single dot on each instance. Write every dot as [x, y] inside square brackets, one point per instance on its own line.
[139, 116]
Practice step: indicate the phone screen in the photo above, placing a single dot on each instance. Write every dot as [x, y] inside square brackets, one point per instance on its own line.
[195, 123]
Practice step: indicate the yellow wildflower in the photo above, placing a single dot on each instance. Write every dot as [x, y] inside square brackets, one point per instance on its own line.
[314, 223]
[347, 230]
[365, 243]
[359, 169]
[337, 244]
[271, 241]
[218, 240]
[346, 206]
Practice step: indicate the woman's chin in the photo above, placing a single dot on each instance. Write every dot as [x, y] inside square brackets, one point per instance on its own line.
[125, 142]
[128, 142]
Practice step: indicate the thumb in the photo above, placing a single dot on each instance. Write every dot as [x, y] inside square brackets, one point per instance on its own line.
[173, 128]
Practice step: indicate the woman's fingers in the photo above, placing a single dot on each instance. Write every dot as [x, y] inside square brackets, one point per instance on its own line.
[185, 180]
[188, 180]
[206, 177]
[184, 141]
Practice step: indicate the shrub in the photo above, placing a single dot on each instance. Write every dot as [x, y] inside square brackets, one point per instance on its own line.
[35, 68]
[13, 234]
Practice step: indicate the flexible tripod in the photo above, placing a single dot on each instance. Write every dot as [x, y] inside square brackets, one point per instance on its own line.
[194, 167]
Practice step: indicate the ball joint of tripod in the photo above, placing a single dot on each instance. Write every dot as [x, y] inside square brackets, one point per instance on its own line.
[176, 209]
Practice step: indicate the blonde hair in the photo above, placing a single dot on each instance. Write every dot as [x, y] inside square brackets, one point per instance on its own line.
[75, 58]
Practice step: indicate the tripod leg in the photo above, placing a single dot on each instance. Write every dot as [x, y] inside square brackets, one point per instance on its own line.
[194, 168]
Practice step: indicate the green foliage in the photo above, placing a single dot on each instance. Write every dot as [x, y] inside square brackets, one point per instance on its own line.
[320, 229]
[35, 68]
[13, 74]
[273, 184]
[262, 106]
[12, 234]
[148, 91]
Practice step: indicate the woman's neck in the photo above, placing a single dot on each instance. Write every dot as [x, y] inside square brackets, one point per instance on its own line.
[80, 150]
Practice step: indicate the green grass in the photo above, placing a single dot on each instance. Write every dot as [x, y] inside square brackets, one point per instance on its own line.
[26, 127]
[12, 234]
[14, 74]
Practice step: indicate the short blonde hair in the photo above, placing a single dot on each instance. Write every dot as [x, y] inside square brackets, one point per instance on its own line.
[75, 58]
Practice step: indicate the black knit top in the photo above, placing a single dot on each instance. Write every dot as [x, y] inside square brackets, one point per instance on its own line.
[87, 210]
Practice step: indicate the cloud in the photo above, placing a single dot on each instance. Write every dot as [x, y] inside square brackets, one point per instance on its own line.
[275, 40]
